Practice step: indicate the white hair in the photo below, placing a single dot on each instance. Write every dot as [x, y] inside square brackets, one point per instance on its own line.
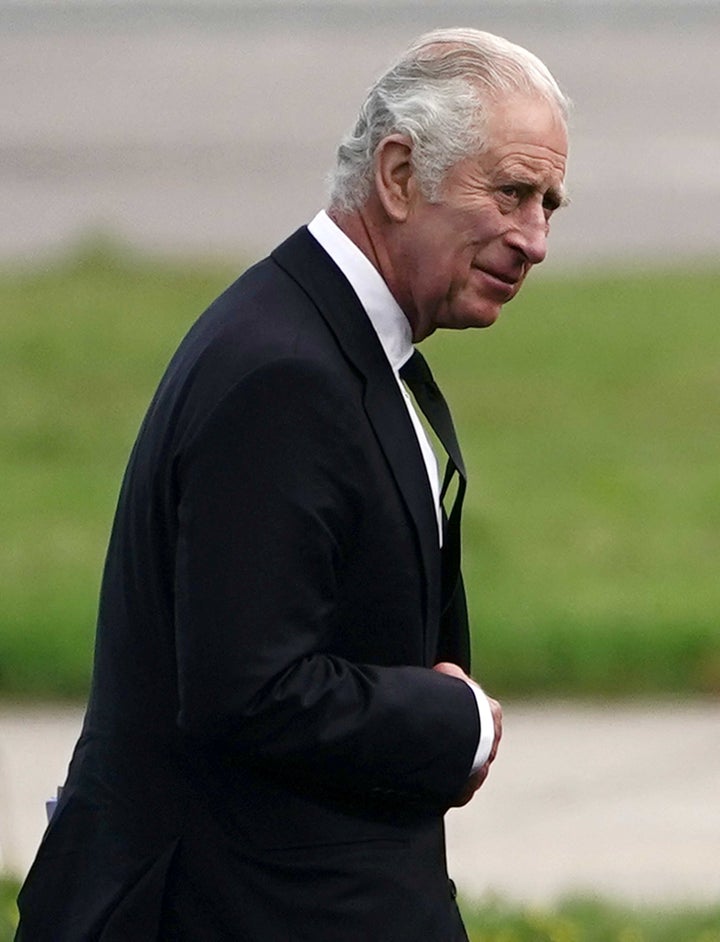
[438, 94]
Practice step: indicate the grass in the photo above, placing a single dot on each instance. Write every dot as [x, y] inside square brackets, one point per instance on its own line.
[497, 921]
[588, 418]
[8, 909]
[589, 415]
[84, 344]
[590, 921]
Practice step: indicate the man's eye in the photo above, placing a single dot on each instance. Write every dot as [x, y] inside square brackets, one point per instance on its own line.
[509, 197]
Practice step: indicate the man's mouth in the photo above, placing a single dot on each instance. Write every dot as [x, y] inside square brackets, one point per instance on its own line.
[499, 280]
[508, 278]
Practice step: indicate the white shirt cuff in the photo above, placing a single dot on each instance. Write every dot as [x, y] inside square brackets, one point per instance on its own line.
[487, 728]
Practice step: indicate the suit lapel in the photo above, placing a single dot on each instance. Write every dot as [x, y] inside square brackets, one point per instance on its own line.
[312, 268]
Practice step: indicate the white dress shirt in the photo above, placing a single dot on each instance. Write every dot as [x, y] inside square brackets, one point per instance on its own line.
[395, 335]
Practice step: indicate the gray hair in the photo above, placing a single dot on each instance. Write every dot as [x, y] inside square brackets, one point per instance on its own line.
[437, 94]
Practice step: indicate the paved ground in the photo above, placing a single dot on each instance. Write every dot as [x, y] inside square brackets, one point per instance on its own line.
[624, 801]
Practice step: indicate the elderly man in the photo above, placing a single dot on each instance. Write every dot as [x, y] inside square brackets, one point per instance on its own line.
[281, 710]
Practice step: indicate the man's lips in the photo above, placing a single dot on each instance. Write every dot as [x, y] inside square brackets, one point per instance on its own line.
[502, 280]
[500, 274]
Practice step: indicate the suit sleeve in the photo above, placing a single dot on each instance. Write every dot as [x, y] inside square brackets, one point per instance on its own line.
[270, 489]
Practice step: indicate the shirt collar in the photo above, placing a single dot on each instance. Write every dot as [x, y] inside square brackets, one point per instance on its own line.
[386, 316]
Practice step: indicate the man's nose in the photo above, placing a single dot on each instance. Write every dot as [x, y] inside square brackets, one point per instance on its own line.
[530, 234]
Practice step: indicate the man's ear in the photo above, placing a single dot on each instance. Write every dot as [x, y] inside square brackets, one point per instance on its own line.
[394, 176]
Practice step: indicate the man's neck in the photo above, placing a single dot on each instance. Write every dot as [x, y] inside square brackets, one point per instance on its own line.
[364, 228]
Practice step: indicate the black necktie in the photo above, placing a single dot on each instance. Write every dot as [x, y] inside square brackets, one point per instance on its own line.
[416, 373]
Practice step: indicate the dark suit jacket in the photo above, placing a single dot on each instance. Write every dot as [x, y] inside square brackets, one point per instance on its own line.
[265, 754]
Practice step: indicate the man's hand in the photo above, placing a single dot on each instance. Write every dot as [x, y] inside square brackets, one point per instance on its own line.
[477, 778]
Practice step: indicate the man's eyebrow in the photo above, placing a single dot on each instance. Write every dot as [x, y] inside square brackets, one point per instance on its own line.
[556, 197]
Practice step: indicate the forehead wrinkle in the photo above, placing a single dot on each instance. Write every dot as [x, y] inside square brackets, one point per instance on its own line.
[529, 153]
[535, 170]
[511, 145]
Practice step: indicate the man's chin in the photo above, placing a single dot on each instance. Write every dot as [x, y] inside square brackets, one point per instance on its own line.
[484, 316]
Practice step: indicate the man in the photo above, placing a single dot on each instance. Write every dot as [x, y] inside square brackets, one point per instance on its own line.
[281, 711]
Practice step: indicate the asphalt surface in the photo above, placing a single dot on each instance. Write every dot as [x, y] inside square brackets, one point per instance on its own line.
[621, 801]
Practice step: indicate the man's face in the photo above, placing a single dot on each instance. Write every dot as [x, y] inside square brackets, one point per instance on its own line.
[461, 258]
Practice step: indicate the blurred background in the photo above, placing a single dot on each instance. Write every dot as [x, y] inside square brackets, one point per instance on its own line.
[151, 149]
[206, 126]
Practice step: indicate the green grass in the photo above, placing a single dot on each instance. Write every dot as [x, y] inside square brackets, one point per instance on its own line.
[590, 921]
[497, 921]
[84, 343]
[8, 909]
[588, 416]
